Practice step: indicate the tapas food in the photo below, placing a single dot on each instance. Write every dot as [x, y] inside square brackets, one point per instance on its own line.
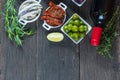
[54, 15]
[76, 28]
[29, 11]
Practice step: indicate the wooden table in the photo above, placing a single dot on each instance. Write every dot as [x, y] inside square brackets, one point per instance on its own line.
[39, 59]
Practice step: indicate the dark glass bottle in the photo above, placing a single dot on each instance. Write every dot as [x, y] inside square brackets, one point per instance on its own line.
[101, 12]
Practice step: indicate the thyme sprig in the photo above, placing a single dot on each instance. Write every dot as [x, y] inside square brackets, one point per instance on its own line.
[14, 30]
[108, 37]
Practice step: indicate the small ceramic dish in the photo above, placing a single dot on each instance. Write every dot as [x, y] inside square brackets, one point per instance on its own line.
[47, 26]
[78, 27]
[29, 11]
[79, 2]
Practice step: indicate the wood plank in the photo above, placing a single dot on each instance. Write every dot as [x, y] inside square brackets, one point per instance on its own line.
[56, 61]
[117, 48]
[2, 62]
[116, 62]
[94, 66]
[1, 59]
[39, 59]
[20, 62]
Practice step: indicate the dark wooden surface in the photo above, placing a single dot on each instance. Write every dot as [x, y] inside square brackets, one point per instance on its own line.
[39, 59]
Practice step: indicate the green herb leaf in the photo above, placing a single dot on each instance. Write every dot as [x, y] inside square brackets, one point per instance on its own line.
[108, 36]
[15, 31]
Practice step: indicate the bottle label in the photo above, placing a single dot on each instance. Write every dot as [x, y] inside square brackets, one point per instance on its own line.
[96, 36]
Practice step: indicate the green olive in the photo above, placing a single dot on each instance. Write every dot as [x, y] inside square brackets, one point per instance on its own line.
[74, 28]
[69, 27]
[81, 22]
[70, 34]
[71, 22]
[75, 16]
[77, 22]
[81, 28]
[85, 28]
[66, 28]
[82, 35]
[76, 36]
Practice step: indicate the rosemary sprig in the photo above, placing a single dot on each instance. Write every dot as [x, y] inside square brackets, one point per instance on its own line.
[109, 34]
[14, 30]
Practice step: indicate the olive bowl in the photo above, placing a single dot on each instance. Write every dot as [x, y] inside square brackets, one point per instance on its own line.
[77, 30]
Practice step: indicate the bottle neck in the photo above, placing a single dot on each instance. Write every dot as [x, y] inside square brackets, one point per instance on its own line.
[101, 11]
[99, 19]
[99, 25]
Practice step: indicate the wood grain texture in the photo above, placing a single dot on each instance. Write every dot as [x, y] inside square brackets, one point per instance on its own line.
[56, 61]
[94, 66]
[40, 59]
[116, 49]
[19, 61]
[2, 59]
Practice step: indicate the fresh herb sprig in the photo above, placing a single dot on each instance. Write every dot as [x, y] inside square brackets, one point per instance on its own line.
[14, 30]
[109, 34]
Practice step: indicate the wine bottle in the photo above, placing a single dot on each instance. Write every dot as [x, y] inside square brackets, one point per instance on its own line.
[101, 12]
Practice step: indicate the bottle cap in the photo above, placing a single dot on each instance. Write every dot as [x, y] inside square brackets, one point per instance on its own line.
[96, 36]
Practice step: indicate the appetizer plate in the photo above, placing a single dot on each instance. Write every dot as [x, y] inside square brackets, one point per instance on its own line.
[47, 26]
[29, 11]
[76, 30]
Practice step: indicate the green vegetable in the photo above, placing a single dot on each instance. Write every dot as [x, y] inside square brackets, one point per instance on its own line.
[109, 34]
[14, 30]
